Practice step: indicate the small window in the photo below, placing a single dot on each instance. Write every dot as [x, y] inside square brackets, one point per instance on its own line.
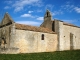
[42, 37]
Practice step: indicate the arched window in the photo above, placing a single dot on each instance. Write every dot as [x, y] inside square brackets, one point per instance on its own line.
[42, 37]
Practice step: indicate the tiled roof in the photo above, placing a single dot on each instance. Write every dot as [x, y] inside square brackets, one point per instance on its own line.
[32, 28]
[70, 24]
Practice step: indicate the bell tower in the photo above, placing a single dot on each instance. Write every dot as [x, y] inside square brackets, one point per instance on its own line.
[47, 16]
[47, 20]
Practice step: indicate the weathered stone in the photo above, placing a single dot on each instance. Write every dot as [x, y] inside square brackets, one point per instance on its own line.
[19, 38]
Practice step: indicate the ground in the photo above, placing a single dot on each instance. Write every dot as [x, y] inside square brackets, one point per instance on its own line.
[62, 55]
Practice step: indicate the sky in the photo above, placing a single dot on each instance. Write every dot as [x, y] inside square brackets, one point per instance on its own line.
[31, 12]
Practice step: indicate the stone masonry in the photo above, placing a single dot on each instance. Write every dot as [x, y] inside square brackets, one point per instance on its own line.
[52, 35]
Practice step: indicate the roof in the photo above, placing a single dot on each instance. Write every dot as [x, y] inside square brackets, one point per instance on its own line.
[68, 24]
[32, 28]
[6, 19]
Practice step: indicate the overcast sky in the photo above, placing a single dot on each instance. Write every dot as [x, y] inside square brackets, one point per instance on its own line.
[31, 12]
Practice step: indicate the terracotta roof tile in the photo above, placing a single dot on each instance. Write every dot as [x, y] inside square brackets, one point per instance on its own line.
[32, 28]
[70, 24]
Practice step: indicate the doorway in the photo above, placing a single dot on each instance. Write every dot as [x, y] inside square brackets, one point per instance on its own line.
[71, 41]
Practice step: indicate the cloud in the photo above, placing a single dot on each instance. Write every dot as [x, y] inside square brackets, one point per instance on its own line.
[20, 4]
[40, 18]
[70, 21]
[39, 10]
[68, 7]
[29, 23]
[57, 12]
[77, 9]
[30, 11]
[8, 2]
[71, 8]
[27, 15]
[49, 6]
[6, 7]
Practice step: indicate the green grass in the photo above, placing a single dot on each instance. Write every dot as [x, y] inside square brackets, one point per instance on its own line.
[64, 55]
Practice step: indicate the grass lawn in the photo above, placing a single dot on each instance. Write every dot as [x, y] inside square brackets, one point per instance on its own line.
[64, 55]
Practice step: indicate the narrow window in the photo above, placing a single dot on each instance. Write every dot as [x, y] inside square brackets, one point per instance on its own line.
[42, 37]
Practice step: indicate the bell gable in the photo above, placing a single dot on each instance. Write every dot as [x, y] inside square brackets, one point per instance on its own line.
[7, 19]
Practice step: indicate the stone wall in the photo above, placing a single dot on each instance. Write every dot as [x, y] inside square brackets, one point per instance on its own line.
[59, 31]
[7, 38]
[30, 41]
[64, 37]
[75, 31]
[9, 50]
[5, 35]
[47, 24]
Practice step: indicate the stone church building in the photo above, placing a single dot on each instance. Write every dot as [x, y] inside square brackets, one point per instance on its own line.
[52, 35]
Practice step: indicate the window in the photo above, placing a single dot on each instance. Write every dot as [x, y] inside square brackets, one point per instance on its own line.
[42, 37]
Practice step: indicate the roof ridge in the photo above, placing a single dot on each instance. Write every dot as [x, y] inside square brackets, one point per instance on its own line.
[32, 28]
[66, 23]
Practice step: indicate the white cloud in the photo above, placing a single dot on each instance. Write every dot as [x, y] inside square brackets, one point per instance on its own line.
[57, 12]
[30, 11]
[39, 10]
[8, 2]
[20, 4]
[49, 6]
[77, 9]
[29, 23]
[26, 15]
[40, 18]
[54, 14]
[70, 21]
[6, 7]
[68, 6]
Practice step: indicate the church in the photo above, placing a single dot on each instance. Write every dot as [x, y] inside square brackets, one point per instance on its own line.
[52, 35]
